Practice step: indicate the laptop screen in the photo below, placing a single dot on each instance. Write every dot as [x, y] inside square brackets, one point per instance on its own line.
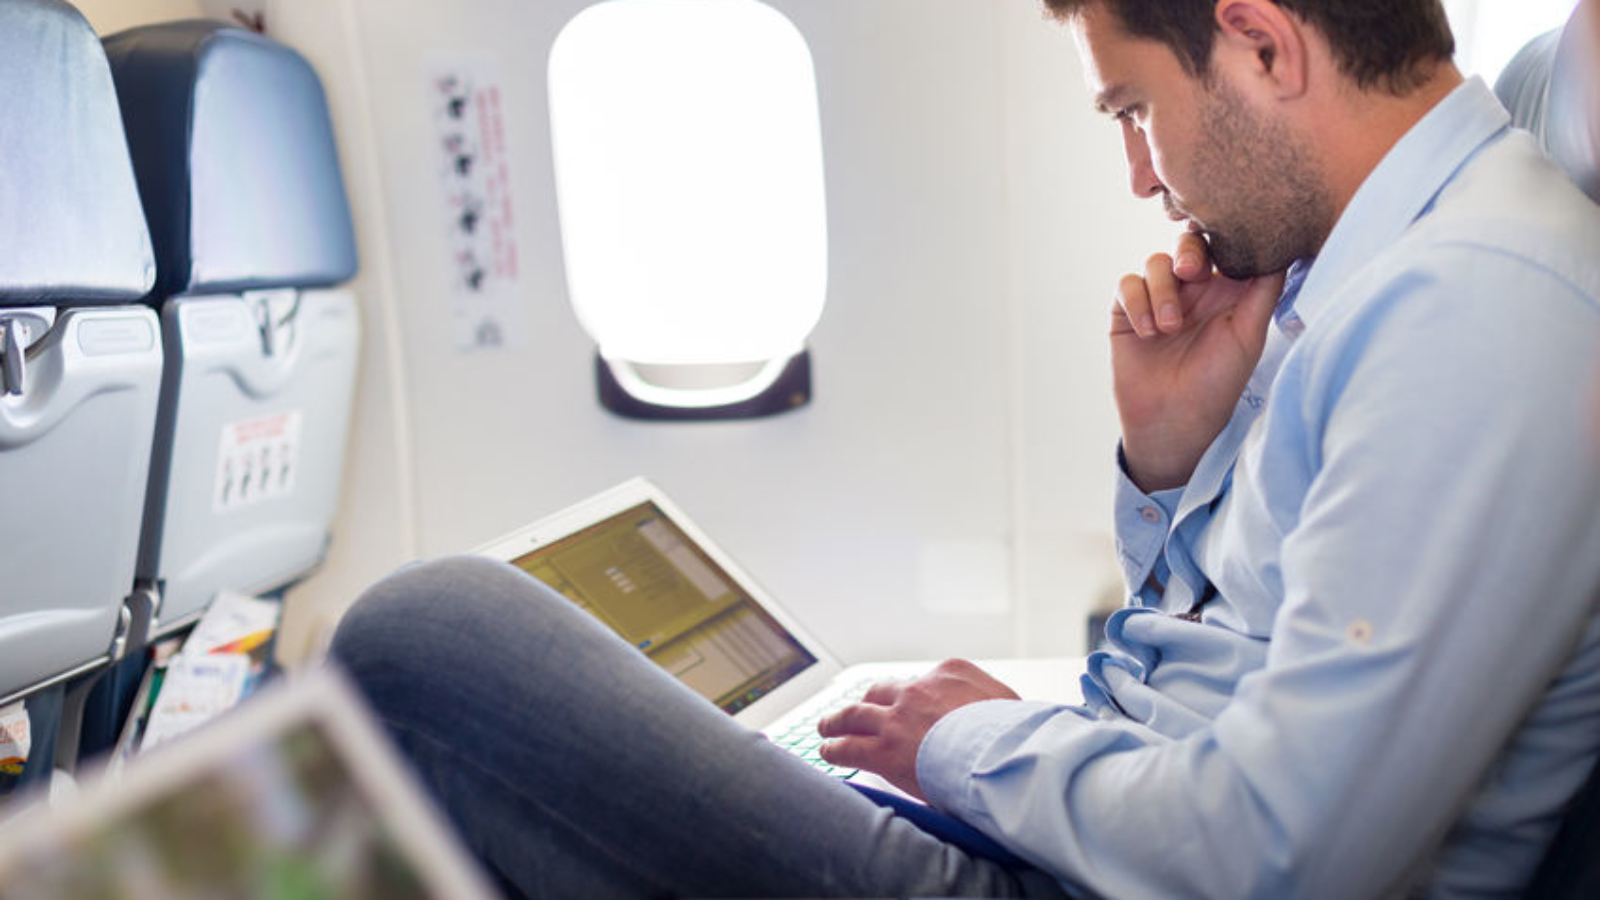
[648, 581]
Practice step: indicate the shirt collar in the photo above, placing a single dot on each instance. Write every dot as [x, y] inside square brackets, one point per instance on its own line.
[1402, 188]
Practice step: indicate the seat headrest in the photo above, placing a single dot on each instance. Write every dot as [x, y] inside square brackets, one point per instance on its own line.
[234, 150]
[1572, 119]
[70, 224]
[1552, 88]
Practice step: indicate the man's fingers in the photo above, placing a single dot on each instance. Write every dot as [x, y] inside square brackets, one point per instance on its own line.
[883, 693]
[1255, 308]
[1261, 297]
[1134, 299]
[1162, 285]
[1192, 260]
[850, 752]
[856, 719]
[1119, 318]
[873, 755]
[873, 752]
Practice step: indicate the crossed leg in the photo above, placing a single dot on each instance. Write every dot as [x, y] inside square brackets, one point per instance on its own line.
[575, 767]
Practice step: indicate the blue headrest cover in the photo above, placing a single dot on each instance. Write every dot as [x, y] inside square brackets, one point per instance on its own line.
[234, 150]
[1552, 88]
[1572, 121]
[70, 224]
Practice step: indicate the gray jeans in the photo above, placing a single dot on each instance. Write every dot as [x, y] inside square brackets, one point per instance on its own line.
[574, 767]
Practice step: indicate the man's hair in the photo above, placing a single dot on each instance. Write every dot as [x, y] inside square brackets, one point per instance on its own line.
[1387, 44]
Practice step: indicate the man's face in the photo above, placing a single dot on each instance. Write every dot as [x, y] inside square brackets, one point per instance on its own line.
[1234, 173]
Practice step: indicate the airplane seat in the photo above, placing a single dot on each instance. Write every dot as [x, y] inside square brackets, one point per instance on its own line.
[1552, 88]
[234, 151]
[80, 357]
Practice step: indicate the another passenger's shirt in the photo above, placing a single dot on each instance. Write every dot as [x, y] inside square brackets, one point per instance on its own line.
[1397, 681]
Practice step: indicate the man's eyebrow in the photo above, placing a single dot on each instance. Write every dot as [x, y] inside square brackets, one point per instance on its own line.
[1111, 97]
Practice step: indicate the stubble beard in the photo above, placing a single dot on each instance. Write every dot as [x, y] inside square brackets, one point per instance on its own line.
[1270, 206]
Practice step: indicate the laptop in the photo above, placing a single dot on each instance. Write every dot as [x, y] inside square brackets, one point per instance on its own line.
[294, 793]
[635, 561]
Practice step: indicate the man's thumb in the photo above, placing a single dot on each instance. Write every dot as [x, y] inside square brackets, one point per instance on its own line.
[1256, 307]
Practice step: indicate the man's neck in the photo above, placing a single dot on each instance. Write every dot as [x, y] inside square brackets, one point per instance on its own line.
[1379, 120]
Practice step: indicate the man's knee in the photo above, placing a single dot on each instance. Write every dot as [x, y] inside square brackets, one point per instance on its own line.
[438, 617]
[462, 649]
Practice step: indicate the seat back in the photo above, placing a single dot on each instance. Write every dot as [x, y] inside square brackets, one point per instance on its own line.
[1570, 869]
[234, 151]
[1552, 88]
[80, 367]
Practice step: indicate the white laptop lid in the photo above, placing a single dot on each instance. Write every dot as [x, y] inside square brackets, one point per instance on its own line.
[631, 558]
[293, 791]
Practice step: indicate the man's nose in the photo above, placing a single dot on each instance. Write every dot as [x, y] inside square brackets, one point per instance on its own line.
[1141, 171]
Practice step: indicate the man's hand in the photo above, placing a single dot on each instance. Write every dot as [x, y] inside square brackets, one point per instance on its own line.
[1184, 341]
[883, 732]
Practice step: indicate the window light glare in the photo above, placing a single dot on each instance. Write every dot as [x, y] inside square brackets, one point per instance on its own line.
[689, 177]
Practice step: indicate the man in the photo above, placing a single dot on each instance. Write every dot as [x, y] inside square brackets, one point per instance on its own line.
[1359, 517]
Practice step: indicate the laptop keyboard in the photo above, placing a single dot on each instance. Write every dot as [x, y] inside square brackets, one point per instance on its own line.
[800, 736]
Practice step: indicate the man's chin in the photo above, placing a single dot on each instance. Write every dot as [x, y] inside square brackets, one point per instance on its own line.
[1243, 262]
[1238, 272]
[1231, 260]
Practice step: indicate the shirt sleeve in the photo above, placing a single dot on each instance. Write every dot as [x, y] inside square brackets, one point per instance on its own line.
[1142, 522]
[1439, 577]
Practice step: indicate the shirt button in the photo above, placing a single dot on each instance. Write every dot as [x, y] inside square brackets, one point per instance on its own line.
[1293, 325]
[1150, 514]
[1360, 631]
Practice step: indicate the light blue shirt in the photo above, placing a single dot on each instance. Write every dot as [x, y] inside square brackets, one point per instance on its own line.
[1397, 683]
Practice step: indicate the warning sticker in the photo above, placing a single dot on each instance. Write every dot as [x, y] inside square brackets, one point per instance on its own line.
[477, 211]
[257, 460]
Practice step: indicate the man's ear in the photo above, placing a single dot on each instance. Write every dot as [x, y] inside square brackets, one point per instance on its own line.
[1267, 42]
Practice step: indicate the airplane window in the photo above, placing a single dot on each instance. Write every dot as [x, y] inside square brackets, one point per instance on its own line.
[688, 162]
[1490, 32]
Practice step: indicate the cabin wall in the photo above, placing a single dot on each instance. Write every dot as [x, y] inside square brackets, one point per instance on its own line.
[946, 492]
[111, 16]
[1074, 229]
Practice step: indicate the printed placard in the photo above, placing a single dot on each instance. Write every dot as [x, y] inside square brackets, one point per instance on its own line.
[257, 460]
[477, 212]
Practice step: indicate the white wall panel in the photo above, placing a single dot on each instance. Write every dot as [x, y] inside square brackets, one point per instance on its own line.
[1075, 228]
[906, 446]
[110, 16]
[375, 529]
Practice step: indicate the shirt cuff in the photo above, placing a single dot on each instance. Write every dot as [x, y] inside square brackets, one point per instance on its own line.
[947, 761]
[1142, 524]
